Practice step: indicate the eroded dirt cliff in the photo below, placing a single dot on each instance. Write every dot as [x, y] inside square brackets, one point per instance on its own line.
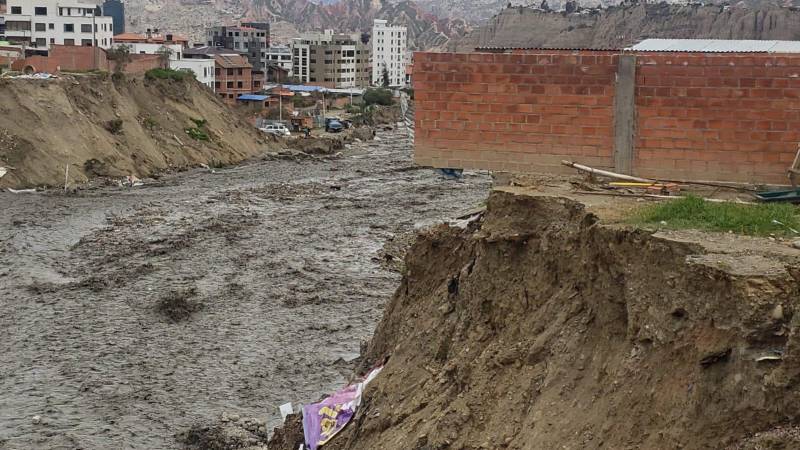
[538, 327]
[101, 127]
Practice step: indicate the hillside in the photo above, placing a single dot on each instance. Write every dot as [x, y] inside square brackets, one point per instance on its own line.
[622, 26]
[426, 31]
[113, 129]
[538, 327]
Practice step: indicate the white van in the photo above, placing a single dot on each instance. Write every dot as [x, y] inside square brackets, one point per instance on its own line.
[277, 129]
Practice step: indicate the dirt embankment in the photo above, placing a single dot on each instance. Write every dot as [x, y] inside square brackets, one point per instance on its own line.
[100, 127]
[537, 327]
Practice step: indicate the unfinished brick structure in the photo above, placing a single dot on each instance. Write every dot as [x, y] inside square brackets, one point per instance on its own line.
[727, 117]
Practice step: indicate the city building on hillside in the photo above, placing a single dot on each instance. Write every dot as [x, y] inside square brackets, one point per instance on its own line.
[280, 56]
[389, 44]
[249, 38]
[233, 77]
[203, 69]
[153, 43]
[42, 23]
[116, 10]
[332, 60]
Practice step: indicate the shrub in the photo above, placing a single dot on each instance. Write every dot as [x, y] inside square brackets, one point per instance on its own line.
[168, 74]
[114, 126]
[198, 132]
[378, 96]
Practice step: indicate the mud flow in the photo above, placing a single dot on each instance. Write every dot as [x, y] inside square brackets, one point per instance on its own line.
[130, 315]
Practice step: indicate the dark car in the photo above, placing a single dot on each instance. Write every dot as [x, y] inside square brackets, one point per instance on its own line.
[333, 126]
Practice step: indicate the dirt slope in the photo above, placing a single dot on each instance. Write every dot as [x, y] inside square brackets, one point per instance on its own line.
[540, 328]
[45, 125]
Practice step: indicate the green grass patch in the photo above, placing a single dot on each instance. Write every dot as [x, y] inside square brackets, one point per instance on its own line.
[697, 213]
[168, 74]
[198, 132]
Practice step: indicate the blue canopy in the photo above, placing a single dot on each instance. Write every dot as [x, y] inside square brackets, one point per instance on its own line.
[253, 97]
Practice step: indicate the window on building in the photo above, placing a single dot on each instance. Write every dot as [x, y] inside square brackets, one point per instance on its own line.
[41, 27]
[69, 41]
[229, 72]
[238, 71]
[16, 10]
[230, 85]
[40, 11]
[51, 26]
[235, 45]
[86, 28]
[69, 28]
[52, 40]
[216, 71]
[41, 42]
[86, 42]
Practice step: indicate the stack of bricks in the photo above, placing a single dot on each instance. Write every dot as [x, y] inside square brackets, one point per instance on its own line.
[726, 117]
[514, 112]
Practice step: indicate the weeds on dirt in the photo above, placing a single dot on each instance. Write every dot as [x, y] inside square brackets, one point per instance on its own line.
[696, 213]
[198, 132]
[114, 126]
[179, 304]
[168, 74]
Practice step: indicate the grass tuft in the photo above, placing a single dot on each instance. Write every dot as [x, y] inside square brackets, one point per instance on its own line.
[696, 213]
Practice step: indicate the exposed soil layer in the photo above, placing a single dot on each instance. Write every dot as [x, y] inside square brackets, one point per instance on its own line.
[538, 327]
[267, 268]
[104, 128]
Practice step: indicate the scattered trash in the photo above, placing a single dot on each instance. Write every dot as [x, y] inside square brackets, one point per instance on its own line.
[779, 196]
[208, 168]
[36, 420]
[323, 420]
[777, 222]
[36, 76]
[286, 409]
[131, 181]
[3, 171]
[655, 188]
[453, 174]
[464, 223]
[796, 244]
[769, 358]
[427, 224]
[22, 191]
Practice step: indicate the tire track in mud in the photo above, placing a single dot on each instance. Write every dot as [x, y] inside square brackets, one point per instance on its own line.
[279, 258]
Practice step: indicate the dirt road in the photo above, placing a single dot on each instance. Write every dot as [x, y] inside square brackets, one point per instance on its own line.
[128, 315]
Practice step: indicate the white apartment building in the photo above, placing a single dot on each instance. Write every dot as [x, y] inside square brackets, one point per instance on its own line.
[203, 69]
[149, 48]
[389, 44]
[280, 56]
[41, 23]
[331, 60]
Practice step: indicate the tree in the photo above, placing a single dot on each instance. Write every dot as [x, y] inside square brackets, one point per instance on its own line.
[121, 55]
[386, 80]
[379, 96]
[164, 54]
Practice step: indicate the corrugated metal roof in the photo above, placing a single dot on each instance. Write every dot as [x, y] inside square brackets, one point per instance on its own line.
[253, 97]
[716, 46]
[500, 48]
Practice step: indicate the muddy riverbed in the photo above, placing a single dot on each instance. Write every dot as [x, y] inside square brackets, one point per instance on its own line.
[130, 314]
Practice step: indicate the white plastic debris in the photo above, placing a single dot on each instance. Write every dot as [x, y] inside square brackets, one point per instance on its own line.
[22, 191]
[286, 409]
[3, 171]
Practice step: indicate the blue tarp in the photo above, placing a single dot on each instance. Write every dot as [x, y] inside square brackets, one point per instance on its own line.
[253, 97]
[304, 88]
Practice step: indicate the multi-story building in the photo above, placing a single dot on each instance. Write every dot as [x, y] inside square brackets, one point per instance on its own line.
[116, 10]
[153, 43]
[279, 56]
[332, 60]
[251, 38]
[233, 77]
[203, 69]
[41, 23]
[389, 45]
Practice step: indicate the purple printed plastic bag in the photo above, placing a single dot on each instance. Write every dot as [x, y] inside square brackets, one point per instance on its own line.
[323, 420]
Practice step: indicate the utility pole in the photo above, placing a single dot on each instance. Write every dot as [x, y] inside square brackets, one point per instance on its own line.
[94, 39]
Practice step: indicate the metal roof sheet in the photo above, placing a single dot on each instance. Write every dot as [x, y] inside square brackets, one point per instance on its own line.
[716, 46]
[253, 97]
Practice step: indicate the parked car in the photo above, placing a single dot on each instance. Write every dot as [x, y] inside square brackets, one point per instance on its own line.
[277, 129]
[333, 125]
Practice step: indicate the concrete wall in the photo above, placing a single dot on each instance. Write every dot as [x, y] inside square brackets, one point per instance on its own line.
[672, 115]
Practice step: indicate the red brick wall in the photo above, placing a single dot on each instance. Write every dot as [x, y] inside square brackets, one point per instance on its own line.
[698, 116]
[516, 112]
[65, 57]
[717, 116]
